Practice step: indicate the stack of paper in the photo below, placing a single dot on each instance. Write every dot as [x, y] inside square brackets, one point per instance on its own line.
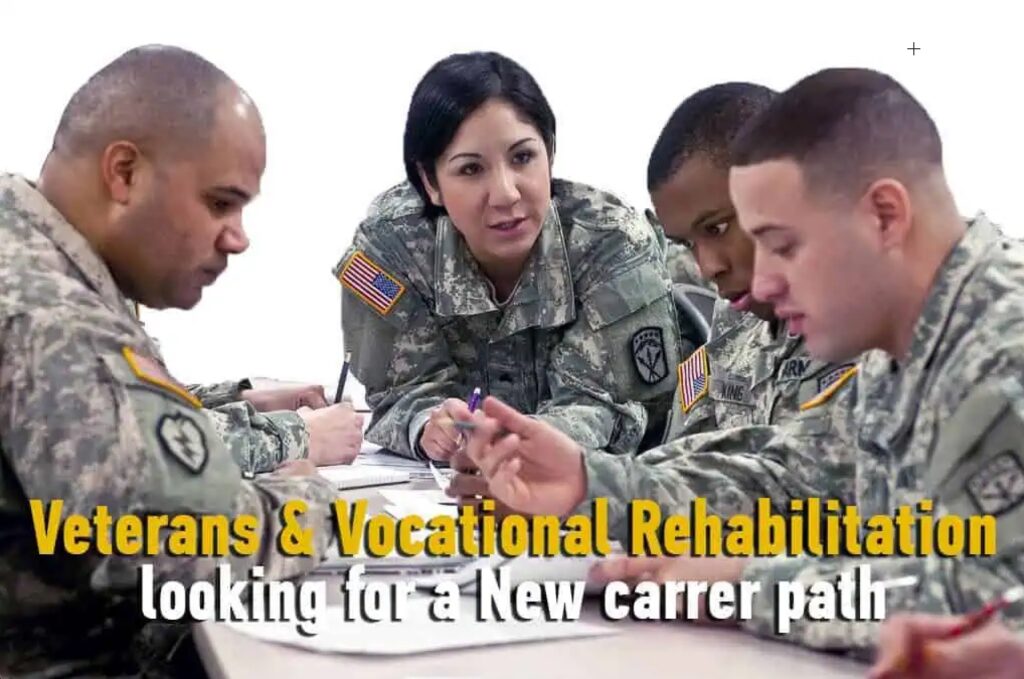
[375, 456]
[345, 476]
[417, 632]
[423, 503]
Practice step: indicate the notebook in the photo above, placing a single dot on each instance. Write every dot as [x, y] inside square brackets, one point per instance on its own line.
[345, 476]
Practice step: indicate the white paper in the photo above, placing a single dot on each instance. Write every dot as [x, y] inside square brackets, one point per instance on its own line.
[344, 476]
[416, 633]
[426, 504]
[377, 458]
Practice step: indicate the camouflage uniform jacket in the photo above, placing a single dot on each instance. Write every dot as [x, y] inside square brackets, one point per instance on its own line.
[89, 416]
[259, 441]
[586, 342]
[755, 417]
[945, 422]
[751, 372]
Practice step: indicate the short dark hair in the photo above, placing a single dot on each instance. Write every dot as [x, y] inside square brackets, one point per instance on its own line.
[705, 123]
[156, 96]
[845, 127]
[449, 92]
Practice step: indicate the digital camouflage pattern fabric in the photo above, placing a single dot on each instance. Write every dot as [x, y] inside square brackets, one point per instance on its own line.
[89, 415]
[587, 342]
[259, 442]
[945, 423]
[757, 374]
[763, 420]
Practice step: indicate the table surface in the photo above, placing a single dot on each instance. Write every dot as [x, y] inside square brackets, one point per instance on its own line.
[649, 649]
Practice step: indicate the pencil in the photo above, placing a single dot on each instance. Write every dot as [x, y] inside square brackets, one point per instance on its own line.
[344, 376]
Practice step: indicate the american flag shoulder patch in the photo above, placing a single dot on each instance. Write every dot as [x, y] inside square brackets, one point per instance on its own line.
[694, 379]
[371, 283]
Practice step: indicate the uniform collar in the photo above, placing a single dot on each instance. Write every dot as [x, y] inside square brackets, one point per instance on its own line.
[22, 196]
[544, 296]
[891, 381]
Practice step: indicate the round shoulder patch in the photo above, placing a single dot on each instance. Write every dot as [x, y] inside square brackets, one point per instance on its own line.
[184, 440]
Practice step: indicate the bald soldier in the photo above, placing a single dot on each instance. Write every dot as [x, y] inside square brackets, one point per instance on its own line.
[260, 427]
[860, 246]
[736, 390]
[141, 198]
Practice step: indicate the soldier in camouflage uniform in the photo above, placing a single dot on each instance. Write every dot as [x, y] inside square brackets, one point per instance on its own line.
[752, 371]
[152, 163]
[749, 378]
[266, 427]
[553, 295]
[841, 183]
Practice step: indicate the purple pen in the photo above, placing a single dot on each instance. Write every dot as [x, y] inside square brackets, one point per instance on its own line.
[474, 400]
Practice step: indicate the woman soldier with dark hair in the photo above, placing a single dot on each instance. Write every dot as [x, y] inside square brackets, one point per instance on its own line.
[482, 271]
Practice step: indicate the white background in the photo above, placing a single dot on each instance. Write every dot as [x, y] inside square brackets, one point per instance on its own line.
[333, 81]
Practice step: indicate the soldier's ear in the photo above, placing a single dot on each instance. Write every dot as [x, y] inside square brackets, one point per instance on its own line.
[888, 205]
[428, 184]
[119, 168]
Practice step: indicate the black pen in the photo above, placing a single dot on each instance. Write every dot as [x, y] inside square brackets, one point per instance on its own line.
[343, 378]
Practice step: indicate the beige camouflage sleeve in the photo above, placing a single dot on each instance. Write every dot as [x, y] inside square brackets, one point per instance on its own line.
[91, 420]
[260, 442]
[400, 356]
[607, 381]
[612, 375]
[219, 393]
[977, 468]
[732, 468]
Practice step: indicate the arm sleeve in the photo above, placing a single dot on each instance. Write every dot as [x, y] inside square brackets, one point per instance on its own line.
[260, 442]
[81, 424]
[612, 375]
[811, 456]
[220, 393]
[400, 356]
[977, 468]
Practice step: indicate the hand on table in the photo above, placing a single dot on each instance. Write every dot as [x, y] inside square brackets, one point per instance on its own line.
[296, 468]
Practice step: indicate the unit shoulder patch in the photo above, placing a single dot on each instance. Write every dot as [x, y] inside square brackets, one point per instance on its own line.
[371, 283]
[694, 379]
[648, 348]
[182, 439]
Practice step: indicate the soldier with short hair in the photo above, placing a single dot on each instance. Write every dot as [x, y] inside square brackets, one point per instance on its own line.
[140, 199]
